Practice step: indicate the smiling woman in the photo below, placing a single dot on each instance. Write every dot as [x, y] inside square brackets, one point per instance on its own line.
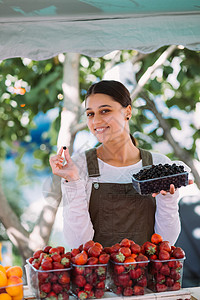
[99, 200]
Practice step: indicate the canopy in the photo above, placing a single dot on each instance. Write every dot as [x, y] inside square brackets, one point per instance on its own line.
[40, 29]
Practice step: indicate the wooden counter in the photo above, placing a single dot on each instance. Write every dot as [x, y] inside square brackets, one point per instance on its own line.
[183, 294]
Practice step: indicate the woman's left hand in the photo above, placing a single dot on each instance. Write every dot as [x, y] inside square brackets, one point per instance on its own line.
[171, 191]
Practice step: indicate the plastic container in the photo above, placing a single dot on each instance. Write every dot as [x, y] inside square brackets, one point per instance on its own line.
[47, 284]
[89, 279]
[155, 185]
[128, 279]
[165, 275]
[14, 290]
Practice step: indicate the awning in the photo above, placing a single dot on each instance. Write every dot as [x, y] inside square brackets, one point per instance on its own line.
[41, 29]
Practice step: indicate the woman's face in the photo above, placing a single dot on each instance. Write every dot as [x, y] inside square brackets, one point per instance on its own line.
[106, 118]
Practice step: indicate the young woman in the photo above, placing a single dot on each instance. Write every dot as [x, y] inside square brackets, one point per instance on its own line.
[99, 201]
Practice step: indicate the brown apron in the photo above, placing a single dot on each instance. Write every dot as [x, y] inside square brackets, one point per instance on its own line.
[117, 210]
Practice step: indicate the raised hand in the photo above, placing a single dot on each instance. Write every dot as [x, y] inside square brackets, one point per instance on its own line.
[68, 171]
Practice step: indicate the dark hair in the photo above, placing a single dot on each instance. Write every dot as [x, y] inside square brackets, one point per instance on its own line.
[114, 89]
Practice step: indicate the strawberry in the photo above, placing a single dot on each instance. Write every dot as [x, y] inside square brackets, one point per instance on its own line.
[45, 287]
[142, 258]
[94, 251]
[156, 238]
[104, 258]
[138, 290]
[80, 248]
[175, 274]
[74, 252]
[157, 265]
[37, 253]
[123, 279]
[61, 250]
[64, 278]
[46, 264]
[176, 286]
[53, 277]
[54, 250]
[78, 270]
[31, 259]
[178, 253]
[92, 261]
[125, 251]
[100, 270]
[142, 281]
[87, 245]
[115, 248]
[79, 280]
[43, 277]
[57, 265]
[135, 248]
[46, 249]
[82, 295]
[92, 279]
[160, 278]
[88, 287]
[161, 287]
[57, 288]
[169, 282]
[164, 255]
[150, 248]
[81, 258]
[128, 291]
[65, 261]
[56, 257]
[118, 269]
[165, 245]
[42, 256]
[136, 273]
[36, 264]
[99, 245]
[99, 293]
[165, 270]
[51, 296]
[118, 257]
[107, 250]
[119, 290]
[100, 285]
[125, 243]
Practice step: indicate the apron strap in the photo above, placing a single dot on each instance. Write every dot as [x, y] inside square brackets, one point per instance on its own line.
[92, 163]
[146, 157]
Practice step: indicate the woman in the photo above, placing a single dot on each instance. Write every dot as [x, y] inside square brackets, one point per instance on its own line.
[99, 201]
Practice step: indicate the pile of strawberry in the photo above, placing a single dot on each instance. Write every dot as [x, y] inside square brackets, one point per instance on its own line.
[53, 275]
[166, 264]
[89, 268]
[128, 268]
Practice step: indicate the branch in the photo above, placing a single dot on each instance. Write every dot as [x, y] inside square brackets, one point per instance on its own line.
[146, 76]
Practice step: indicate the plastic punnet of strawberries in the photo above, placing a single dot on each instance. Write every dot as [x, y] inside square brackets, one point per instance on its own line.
[128, 268]
[89, 270]
[49, 273]
[166, 264]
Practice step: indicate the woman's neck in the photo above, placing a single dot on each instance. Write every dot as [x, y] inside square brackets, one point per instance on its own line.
[119, 154]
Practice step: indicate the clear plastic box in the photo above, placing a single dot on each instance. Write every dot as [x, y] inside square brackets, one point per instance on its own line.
[89, 279]
[165, 275]
[48, 284]
[14, 290]
[128, 279]
[155, 185]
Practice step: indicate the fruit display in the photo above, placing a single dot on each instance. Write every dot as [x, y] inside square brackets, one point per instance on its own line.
[11, 283]
[89, 270]
[49, 272]
[166, 264]
[128, 268]
[154, 178]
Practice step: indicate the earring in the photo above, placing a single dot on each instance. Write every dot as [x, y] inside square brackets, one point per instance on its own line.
[127, 118]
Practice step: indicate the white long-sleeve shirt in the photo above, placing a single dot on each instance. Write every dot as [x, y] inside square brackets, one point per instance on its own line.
[77, 225]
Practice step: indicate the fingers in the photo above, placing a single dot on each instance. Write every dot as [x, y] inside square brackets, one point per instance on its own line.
[67, 155]
[190, 181]
[60, 151]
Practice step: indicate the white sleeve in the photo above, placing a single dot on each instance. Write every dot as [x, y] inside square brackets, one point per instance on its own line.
[167, 221]
[77, 225]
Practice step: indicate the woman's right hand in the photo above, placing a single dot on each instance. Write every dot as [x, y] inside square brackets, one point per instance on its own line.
[69, 171]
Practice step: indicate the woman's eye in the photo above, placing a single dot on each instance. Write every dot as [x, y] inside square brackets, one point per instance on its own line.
[90, 114]
[104, 111]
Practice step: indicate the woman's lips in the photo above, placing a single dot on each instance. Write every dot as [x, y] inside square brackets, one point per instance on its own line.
[101, 129]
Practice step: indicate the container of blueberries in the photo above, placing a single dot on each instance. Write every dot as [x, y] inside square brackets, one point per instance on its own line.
[154, 178]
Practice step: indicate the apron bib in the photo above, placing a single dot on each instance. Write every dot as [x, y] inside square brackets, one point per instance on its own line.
[118, 211]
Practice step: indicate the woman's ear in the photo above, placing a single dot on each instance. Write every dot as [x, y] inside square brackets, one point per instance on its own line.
[128, 112]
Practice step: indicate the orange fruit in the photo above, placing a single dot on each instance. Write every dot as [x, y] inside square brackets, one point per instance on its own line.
[2, 269]
[5, 296]
[19, 296]
[14, 286]
[14, 271]
[7, 267]
[3, 279]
